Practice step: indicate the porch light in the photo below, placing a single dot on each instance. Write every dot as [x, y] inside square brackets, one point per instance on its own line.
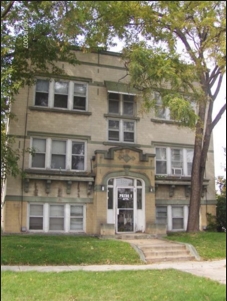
[151, 188]
[103, 188]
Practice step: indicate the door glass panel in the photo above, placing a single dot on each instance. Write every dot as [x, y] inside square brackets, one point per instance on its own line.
[125, 210]
[125, 182]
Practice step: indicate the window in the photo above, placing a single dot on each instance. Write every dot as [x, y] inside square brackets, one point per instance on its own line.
[176, 161]
[38, 159]
[36, 217]
[42, 93]
[177, 218]
[58, 154]
[190, 153]
[78, 155]
[160, 111]
[121, 130]
[76, 218]
[122, 104]
[66, 94]
[161, 163]
[173, 161]
[61, 94]
[161, 215]
[54, 217]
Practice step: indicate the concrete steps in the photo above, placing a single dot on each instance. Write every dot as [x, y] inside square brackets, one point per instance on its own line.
[166, 252]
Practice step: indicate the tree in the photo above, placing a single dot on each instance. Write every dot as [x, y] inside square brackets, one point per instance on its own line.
[199, 28]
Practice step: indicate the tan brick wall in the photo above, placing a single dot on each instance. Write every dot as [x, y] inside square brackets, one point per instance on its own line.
[16, 213]
[204, 209]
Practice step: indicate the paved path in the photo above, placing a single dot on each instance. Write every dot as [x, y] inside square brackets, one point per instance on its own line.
[215, 270]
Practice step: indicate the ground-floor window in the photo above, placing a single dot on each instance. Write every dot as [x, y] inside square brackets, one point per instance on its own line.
[54, 217]
[175, 217]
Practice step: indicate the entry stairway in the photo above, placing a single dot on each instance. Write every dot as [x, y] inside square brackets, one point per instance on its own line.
[154, 250]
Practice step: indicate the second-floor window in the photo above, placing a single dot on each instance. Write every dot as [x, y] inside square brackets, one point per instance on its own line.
[58, 154]
[121, 130]
[61, 94]
[174, 161]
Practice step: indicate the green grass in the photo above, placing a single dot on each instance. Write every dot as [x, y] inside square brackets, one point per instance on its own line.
[209, 245]
[64, 250]
[155, 285]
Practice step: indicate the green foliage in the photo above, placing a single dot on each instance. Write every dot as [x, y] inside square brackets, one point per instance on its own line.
[221, 212]
[211, 222]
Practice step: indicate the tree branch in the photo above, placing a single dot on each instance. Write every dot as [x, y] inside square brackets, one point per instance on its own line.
[4, 13]
[218, 87]
[218, 117]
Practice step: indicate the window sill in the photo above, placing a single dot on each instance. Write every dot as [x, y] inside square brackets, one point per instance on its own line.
[56, 174]
[117, 116]
[165, 121]
[59, 110]
[122, 144]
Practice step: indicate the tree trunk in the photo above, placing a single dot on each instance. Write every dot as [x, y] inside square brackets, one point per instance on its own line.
[197, 173]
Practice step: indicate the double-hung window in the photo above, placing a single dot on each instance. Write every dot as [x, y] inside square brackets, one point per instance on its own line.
[161, 215]
[177, 217]
[121, 129]
[36, 217]
[61, 94]
[174, 161]
[58, 154]
[56, 217]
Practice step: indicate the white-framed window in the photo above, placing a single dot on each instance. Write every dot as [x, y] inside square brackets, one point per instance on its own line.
[121, 104]
[121, 130]
[76, 218]
[161, 215]
[36, 217]
[162, 112]
[39, 158]
[174, 161]
[56, 217]
[58, 154]
[174, 216]
[61, 94]
[177, 217]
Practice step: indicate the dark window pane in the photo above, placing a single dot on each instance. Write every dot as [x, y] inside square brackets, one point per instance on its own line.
[111, 181]
[178, 223]
[78, 162]
[78, 148]
[56, 223]
[36, 223]
[60, 101]
[128, 97]
[129, 137]
[161, 167]
[139, 198]
[128, 108]
[114, 107]
[38, 160]
[113, 124]
[113, 135]
[138, 183]
[79, 103]
[41, 99]
[114, 96]
[58, 161]
[110, 198]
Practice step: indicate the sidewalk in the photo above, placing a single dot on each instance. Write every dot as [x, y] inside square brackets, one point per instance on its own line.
[214, 270]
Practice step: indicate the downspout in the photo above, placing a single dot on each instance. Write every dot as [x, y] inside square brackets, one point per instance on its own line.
[23, 157]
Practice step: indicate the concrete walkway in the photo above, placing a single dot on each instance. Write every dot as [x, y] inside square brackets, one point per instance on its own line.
[214, 270]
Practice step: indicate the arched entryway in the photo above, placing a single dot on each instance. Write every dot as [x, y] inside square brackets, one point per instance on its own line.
[126, 204]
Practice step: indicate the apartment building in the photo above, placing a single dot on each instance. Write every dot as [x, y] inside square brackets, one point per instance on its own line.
[101, 165]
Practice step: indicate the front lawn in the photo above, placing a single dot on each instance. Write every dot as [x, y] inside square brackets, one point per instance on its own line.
[155, 285]
[209, 245]
[64, 250]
